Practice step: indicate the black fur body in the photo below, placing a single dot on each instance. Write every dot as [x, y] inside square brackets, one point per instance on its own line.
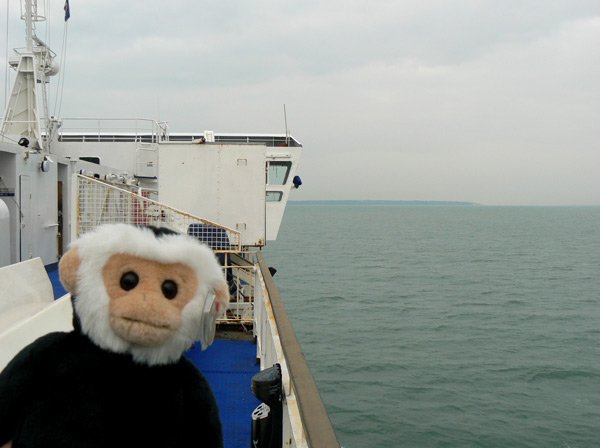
[64, 391]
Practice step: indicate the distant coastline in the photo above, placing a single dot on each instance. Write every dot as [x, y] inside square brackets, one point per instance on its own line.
[376, 202]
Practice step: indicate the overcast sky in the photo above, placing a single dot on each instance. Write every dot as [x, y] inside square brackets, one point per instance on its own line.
[495, 102]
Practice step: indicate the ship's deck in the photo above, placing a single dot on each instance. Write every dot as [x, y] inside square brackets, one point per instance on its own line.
[229, 366]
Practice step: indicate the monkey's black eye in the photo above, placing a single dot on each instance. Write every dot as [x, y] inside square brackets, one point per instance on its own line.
[169, 289]
[129, 280]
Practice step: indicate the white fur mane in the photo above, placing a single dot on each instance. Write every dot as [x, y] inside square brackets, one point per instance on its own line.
[92, 302]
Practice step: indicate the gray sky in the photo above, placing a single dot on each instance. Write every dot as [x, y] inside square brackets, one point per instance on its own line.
[496, 102]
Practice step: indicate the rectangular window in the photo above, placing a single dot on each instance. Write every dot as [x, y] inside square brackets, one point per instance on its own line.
[274, 196]
[279, 172]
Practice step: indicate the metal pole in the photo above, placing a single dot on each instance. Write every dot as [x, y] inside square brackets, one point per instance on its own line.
[29, 26]
[287, 138]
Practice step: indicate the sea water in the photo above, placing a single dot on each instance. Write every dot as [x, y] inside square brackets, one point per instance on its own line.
[448, 326]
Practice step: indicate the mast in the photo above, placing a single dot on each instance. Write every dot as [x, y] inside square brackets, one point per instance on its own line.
[29, 25]
[33, 64]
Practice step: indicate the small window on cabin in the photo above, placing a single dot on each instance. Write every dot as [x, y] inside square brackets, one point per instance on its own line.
[274, 196]
[95, 160]
[278, 172]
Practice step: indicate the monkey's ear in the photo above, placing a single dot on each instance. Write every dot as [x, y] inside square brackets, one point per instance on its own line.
[222, 296]
[67, 270]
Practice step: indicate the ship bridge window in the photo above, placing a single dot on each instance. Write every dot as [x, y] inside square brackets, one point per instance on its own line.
[278, 173]
[95, 160]
[274, 196]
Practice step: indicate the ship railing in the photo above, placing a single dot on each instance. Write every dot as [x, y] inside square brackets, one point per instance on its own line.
[100, 202]
[113, 130]
[241, 278]
[305, 419]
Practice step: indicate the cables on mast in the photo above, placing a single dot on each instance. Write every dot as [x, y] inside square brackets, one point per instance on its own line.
[6, 69]
[63, 65]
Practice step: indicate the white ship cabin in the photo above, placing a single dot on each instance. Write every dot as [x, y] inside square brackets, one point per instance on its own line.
[240, 181]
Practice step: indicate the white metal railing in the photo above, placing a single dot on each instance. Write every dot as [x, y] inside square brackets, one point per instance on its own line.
[98, 202]
[113, 130]
[270, 352]
[241, 280]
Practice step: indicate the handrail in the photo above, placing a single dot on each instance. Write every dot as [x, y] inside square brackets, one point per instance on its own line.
[158, 131]
[98, 202]
[317, 425]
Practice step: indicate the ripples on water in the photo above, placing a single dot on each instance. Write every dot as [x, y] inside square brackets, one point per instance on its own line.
[448, 326]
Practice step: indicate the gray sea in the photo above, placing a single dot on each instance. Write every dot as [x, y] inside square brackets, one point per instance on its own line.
[433, 326]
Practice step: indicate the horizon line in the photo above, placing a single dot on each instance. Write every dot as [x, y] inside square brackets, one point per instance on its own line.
[425, 202]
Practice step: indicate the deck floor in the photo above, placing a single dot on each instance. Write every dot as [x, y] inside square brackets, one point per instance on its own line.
[229, 366]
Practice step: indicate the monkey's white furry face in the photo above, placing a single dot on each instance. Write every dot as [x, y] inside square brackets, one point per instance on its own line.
[92, 300]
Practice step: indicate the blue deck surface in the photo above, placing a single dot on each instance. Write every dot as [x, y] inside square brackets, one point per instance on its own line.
[229, 367]
[59, 290]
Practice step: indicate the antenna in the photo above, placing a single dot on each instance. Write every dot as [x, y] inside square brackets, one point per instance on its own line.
[287, 135]
[21, 113]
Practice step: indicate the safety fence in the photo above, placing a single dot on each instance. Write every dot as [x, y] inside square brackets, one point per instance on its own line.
[270, 352]
[112, 130]
[99, 202]
[305, 420]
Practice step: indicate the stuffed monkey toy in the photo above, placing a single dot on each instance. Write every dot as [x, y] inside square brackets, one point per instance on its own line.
[141, 297]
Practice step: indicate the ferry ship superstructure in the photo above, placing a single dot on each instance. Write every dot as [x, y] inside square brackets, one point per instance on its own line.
[60, 178]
